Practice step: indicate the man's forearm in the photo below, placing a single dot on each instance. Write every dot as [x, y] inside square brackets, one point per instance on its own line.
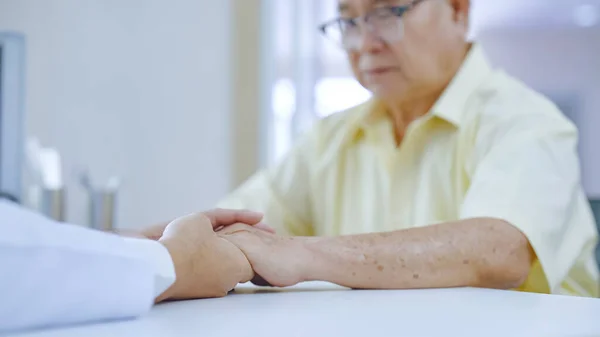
[478, 252]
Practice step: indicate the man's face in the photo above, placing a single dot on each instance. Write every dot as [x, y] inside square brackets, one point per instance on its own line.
[418, 57]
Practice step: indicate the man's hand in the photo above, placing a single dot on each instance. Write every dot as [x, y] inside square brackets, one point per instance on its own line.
[280, 261]
[206, 265]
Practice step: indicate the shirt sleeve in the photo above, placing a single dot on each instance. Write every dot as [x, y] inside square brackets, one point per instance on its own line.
[528, 174]
[281, 192]
[158, 256]
[56, 274]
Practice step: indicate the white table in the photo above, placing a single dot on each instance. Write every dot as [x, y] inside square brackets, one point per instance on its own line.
[320, 309]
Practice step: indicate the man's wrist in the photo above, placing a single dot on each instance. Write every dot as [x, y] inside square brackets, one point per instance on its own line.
[311, 259]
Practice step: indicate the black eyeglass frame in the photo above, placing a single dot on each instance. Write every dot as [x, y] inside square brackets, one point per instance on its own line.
[397, 11]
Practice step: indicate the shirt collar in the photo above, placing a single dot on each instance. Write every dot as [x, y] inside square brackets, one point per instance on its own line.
[453, 101]
[449, 107]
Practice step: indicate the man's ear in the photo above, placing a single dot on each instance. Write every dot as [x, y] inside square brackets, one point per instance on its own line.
[461, 11]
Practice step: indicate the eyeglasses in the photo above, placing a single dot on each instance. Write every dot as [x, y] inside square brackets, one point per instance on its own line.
[384, 22]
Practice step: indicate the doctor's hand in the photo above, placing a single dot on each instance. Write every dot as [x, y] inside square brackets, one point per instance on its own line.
[219, 218]
[206, 265]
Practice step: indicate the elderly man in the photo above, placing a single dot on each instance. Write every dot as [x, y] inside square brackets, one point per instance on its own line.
[454, 174]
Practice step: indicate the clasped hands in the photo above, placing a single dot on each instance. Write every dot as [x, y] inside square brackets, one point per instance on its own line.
[214, 251]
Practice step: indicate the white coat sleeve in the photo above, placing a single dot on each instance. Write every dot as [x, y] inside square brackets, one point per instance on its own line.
[54, 274]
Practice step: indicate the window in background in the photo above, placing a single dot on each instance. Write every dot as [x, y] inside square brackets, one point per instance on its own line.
[312, 78]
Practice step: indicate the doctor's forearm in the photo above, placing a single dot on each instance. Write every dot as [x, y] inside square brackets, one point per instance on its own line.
[56, 286]
[479, 252]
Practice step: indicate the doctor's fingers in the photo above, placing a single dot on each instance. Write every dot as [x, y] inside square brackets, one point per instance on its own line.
[225, 217]
[219, 218]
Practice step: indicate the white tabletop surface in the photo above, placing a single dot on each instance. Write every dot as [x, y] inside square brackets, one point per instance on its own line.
[321, 309]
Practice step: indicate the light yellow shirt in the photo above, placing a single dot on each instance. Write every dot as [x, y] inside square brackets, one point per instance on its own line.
[490, 147]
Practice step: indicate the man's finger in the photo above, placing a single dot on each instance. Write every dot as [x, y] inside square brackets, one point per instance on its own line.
[229, 230]
[265, 227]
[261, 226]
[224, 217]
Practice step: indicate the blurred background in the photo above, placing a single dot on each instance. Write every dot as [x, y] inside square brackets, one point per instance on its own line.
[182, 100]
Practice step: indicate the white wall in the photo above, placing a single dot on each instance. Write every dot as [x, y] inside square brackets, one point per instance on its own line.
[136, 88]
[564, 62]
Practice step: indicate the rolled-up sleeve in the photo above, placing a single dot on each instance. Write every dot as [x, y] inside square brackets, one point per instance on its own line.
[529, 176]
